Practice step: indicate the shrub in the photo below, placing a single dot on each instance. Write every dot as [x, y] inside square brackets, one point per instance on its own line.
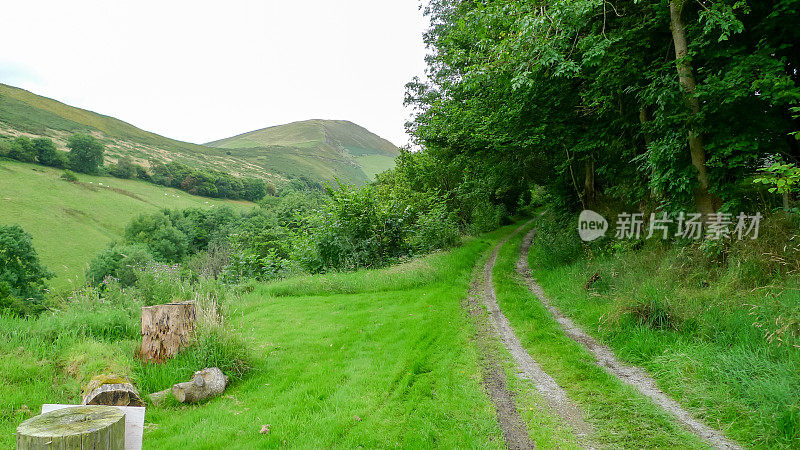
[47, 154]
[122, 262]
[22, 149]
[124, 168]
[85, 153]
[69, 175]
[487, 216]
[436, 229]
[161, 283]
[22, 277]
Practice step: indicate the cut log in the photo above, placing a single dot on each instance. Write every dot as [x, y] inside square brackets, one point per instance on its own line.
[111, 390]
[157, 397]
[204, 384]
[166, 329]
[74, 428]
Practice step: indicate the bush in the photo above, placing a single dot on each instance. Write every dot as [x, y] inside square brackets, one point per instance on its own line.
[436, 229]
[124, 168]
[69, 175]
[22, 150]
[121, 262]
[22, 277]
[47, 154]
[85, 153]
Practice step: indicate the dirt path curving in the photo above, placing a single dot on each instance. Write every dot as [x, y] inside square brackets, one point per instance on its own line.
[605, 358]
[496, 326]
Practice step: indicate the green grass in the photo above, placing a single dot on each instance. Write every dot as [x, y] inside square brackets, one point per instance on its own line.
[712, 357]
[620, 416]
[71, 223]
[371, 358]
[372, 165]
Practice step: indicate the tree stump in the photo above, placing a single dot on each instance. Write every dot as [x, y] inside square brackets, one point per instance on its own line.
[166, 329]
[111, 390]
[204, 384]
[81, 427]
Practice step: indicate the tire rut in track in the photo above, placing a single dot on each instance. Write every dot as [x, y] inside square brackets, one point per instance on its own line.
[604, 357]
[496, 326]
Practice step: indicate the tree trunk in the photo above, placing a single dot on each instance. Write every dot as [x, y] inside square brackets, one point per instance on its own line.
[75, 428]
[588, 185]
[166, 329]
[204, 384]
[705, 201]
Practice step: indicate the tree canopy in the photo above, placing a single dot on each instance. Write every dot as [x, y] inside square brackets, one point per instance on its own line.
[22, 276]
[662, 103]
[85, 153]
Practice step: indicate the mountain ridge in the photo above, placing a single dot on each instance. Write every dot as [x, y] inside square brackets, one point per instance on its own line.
[326, 157]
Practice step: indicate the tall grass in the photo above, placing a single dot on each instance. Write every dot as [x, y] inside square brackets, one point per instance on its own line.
[716, 324]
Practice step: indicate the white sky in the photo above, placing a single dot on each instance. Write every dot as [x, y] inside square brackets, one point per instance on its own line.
[199, 71]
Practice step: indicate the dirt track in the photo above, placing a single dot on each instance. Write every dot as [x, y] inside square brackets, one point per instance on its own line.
[605, 358]
[497, 327]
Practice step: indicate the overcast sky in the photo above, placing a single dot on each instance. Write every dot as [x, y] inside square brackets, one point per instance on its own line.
[200, 71]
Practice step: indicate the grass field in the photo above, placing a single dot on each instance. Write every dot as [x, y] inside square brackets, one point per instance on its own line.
[71, 222]
[711, 352]
[377, 358]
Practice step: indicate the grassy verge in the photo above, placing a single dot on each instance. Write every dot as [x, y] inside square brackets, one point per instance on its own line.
[696, 330]
[620, 416]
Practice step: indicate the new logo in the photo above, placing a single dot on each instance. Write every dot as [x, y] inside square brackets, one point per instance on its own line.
[591, 225]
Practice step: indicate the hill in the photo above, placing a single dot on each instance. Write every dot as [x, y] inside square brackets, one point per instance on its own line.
[331, 140]
[315, 150]
[72, 222]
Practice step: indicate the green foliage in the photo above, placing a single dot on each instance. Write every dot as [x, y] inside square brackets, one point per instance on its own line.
[22, 149]
[579, 97]
[69, 176]
[782, 177]
[125, 168]
[47, 154]
[206, 183]
[120, 262]
[374, 226]
[22, 276]
[85, 153]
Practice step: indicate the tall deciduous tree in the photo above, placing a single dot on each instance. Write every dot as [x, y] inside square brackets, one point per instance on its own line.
[705, 201]
[85, 153]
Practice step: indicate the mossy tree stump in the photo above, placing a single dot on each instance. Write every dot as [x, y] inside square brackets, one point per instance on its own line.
[166, 329]
[81, 427]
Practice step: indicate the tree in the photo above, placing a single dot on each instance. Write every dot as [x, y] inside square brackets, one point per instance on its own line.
[705, 201]
[124, 168]
[583, 97]
[22, 276]
[85, 153]
[47, 154]
[22, 150]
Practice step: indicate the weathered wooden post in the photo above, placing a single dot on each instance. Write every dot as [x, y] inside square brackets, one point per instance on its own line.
[166, 329]
[81, 427]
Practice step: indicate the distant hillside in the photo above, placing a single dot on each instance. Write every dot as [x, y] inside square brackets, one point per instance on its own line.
[316, 150]
[72, 222]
